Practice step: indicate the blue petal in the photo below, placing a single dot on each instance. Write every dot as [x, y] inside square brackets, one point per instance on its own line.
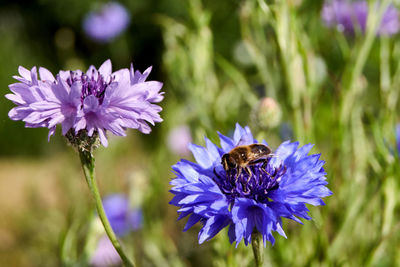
[193, 219]
[177, 198]
[243, 136]
[303, 151]
[299, 210]
[278, 228]
[281, 210]
[185, 170]
[212, 226]
[248, 214]
[232, 234]
[286, 149]
[226, 143]
[177, 182]
[197, 198]
[201, 155]
[220, 205]
[183, 215]
[202, 209]
[239, 132]
[213, 152]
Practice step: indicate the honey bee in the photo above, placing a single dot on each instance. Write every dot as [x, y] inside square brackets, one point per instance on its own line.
[241, 157]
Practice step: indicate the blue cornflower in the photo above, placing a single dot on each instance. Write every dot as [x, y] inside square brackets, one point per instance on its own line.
[281, 187]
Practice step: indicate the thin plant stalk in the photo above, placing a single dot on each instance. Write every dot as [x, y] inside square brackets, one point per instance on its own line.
[257, 245]
[356, 68]
[87, 161]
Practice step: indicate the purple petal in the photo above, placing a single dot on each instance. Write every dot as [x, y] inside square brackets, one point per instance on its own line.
[106, 68]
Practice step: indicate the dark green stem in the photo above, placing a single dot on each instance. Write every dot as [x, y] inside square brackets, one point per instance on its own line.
[257, 245]
[87, 161]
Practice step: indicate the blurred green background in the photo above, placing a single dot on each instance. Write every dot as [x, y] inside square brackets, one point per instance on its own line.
[272, 65]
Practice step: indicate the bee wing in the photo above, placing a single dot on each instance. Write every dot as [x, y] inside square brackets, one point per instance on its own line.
[243, 136]
[246, 139]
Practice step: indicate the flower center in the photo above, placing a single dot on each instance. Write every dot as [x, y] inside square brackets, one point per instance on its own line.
[255, 186]
[91, 85]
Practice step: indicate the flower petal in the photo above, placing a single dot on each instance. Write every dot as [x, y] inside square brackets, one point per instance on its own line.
[106, 68]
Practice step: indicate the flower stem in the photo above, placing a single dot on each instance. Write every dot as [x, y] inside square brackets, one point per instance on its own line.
[87, 161]
[257, 245]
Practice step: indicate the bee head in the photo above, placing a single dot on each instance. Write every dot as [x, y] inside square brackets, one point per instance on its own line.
[228, 162]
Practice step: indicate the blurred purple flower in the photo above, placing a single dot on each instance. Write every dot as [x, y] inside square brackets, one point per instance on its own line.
[348, 16]
[108, 22]
[95, 101]
[179, 139]
[105, 254]
[398, 138]
[122, 218]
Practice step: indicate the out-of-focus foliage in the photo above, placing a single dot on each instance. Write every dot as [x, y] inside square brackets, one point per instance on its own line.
[217, 60]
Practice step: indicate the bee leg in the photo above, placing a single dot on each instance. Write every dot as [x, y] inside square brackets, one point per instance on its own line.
[216, 174]
[248, 170]
[263, 168]
[245, 188]
[238, 173]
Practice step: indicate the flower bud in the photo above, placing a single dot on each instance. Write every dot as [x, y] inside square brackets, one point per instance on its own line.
[268, 113]
[295, 3]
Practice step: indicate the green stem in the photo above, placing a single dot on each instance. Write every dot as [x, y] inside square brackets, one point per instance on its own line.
[257, 245]
[87, 161]
[356, 68]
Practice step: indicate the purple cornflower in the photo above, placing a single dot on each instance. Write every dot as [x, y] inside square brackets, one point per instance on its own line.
[205, 191]
[108, 22]
[348, 16]
[96, 101]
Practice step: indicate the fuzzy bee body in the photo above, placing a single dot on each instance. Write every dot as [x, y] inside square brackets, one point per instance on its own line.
[241, 157]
